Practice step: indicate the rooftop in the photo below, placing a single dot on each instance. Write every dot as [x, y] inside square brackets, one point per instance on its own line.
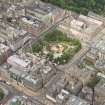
[3, 48]
[17, 60]
[73, 100]
[100, 87]
[41, 8]
[15, 34]
[34, 22]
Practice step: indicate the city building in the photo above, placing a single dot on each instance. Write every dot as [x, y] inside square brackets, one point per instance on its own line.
[23, 100]
[74, 86]
[16, 38]
[80, 26]
[99, 91]
[62, 97]
[5, 52]
[84, 75]
[30, 70]
[86, 93]
[33, 26]
[34, 73]
[74, 100]
[97, 52]
[48, 13]
[55, 87]
[18, 62]
[15, 11]
[38, 77]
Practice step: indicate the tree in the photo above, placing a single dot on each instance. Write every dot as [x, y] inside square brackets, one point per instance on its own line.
[1, 94]
[37, 47]
[80, 6]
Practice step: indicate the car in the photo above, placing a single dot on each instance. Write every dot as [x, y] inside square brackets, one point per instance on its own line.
[8, 83]
[3, 81]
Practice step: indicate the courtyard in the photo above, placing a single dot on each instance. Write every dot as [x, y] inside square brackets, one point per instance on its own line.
[57, 47]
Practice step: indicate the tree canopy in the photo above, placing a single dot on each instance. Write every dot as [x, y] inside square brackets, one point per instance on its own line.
[1, 94]
[81, 6]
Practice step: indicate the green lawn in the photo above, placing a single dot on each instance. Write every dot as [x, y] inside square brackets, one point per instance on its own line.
[57, 38]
